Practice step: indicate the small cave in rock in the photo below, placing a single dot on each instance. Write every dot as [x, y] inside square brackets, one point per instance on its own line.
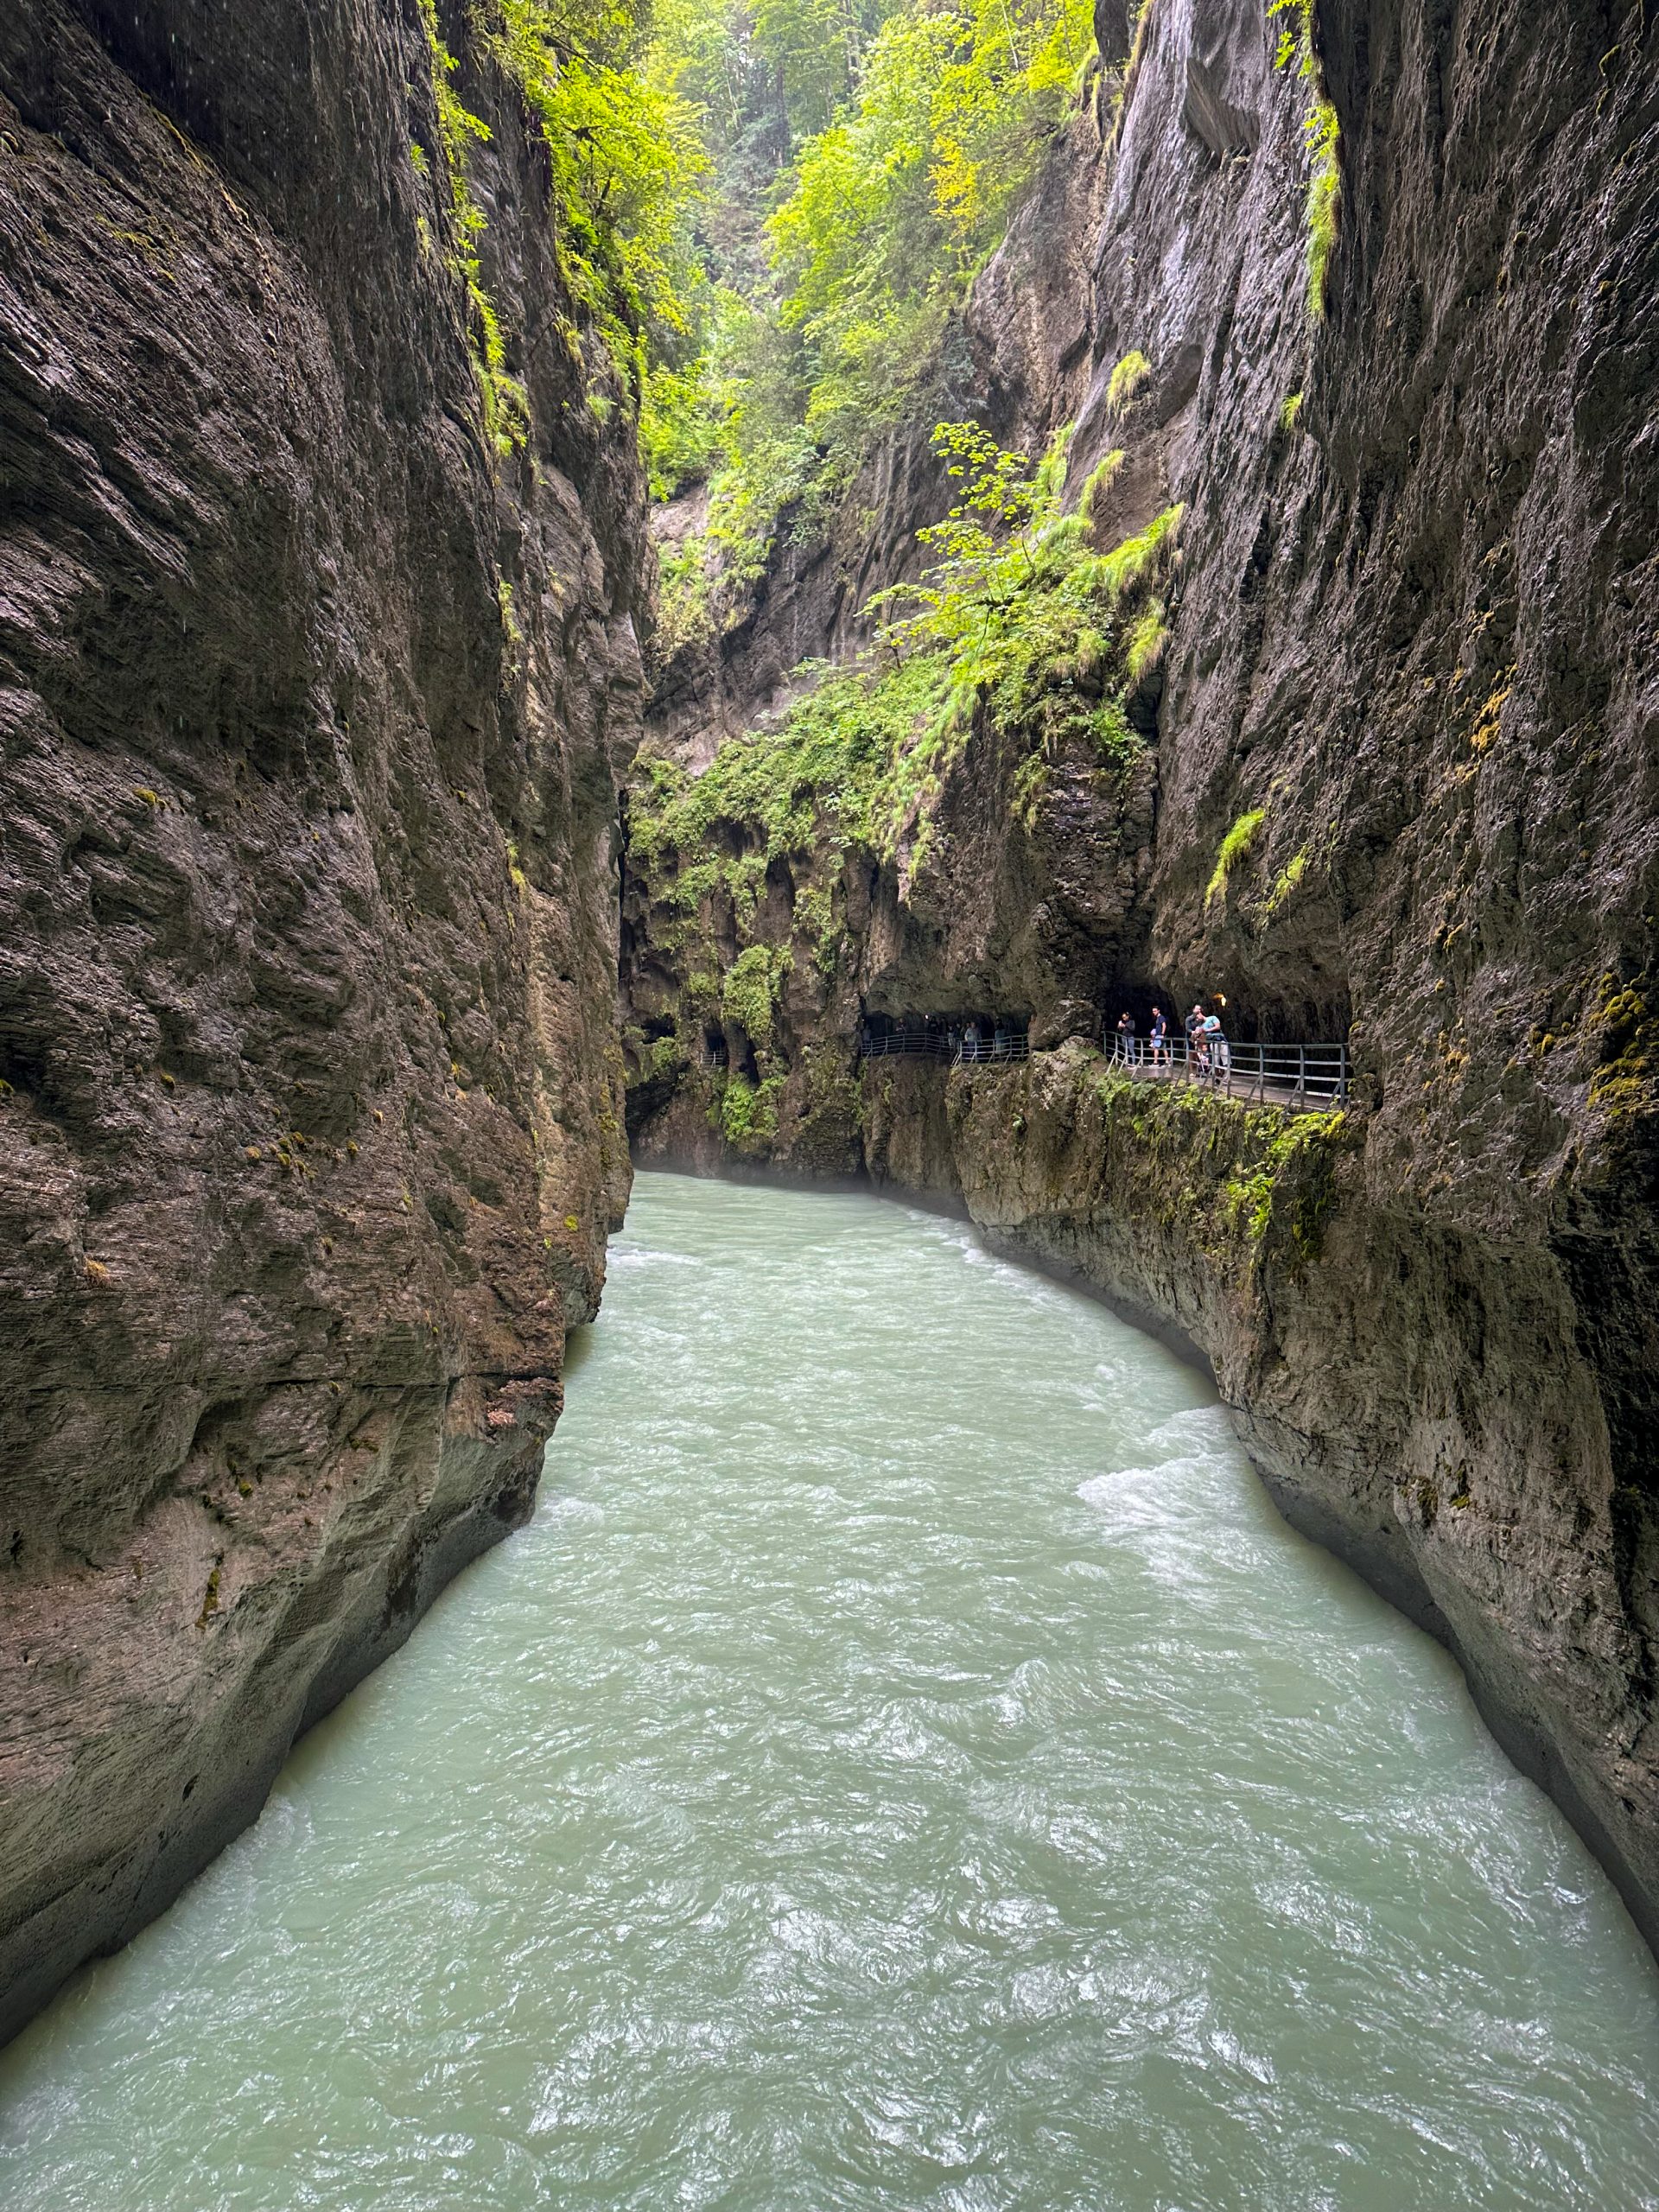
[1248, 1017]
[650, 1094]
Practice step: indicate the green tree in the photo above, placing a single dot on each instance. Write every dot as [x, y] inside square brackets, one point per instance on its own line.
[628, 161]
[832, 258]
[1031, 618]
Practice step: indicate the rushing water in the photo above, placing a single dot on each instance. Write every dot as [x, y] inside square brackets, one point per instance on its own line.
[906, 1764]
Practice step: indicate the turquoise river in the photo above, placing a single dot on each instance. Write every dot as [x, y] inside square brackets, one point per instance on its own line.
[905, 1763]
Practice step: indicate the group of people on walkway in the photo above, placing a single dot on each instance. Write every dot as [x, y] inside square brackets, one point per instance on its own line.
[1205, 1051]
[974, 1043]
[945, 1037]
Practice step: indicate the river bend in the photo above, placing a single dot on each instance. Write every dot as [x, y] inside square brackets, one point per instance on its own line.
[906, 1764]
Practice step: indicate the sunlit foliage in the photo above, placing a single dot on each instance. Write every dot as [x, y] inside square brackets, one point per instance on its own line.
[866, 159]
[626, 159]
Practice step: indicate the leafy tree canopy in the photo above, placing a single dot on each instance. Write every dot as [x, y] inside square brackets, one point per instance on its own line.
[864, 156]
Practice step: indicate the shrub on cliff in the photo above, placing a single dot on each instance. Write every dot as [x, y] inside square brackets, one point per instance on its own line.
[1035, 623]
[1234, 849]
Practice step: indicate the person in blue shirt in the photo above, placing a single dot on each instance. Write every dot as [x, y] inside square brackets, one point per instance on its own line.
[1218, 1057]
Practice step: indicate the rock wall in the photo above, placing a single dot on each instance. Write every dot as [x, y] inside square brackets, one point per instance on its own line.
[316, 683]
[1413, 633]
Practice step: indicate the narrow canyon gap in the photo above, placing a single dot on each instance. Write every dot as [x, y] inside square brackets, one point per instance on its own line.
[364, 721]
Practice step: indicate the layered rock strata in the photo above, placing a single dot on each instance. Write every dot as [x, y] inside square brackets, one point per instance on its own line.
[1400, 781]
[319, 667]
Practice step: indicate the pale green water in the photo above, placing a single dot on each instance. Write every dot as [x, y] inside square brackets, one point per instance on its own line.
[906, 1764]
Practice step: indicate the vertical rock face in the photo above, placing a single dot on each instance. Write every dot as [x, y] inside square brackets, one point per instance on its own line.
[313, 699]
[1414, 636]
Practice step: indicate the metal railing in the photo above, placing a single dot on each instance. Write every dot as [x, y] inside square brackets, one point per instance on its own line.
[1002, 1044]
[1308, 1079]
[899, 1045]
[973, 1045]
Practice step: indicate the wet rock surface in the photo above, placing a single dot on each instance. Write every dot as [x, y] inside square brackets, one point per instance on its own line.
[1415, 632]
[313, 705]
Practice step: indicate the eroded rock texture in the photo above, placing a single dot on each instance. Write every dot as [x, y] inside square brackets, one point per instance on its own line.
[313, 710]
[1414, 630]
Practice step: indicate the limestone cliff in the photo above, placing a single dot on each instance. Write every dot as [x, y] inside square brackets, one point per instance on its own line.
[1411, 642]
[318, 672]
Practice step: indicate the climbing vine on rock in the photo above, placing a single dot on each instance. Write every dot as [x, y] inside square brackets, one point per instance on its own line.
[626, 161]
[1322, 133]
[505, 407]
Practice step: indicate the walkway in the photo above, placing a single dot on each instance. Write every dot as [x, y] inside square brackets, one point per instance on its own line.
[920, 1044]
[1303, 1078]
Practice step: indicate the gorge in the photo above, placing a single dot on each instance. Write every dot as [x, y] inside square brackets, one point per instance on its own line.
[1405, 667]
[386, 854]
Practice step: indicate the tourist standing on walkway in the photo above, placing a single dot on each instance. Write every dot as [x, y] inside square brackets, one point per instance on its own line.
[1218, 1053]
[1195, 1053]
[1159, 1039]
[1126, 1038]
